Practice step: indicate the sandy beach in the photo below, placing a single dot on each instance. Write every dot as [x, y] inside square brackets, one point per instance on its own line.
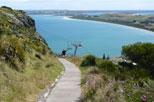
[68, 18]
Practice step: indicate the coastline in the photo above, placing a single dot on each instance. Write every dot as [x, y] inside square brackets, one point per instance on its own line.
[68, 18]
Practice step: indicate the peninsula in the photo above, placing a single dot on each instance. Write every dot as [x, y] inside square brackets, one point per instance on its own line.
[144, 22]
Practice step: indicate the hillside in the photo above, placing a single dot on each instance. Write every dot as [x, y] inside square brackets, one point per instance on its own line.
[105, 81]
[27, 64]
[143, 22]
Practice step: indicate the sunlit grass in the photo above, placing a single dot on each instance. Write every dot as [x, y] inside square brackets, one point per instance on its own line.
[24, 87]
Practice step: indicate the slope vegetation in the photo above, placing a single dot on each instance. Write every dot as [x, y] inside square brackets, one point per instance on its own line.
[27, 65]
[105, 81]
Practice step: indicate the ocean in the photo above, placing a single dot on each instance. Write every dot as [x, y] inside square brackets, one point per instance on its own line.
[96, 38]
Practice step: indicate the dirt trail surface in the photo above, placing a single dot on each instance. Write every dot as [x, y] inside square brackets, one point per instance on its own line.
[68, 87]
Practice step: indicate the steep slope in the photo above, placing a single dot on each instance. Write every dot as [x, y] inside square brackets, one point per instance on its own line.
[27, 65]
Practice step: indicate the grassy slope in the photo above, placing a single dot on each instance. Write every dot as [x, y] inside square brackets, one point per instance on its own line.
[27, 65]
[144, 22]
[106, 82]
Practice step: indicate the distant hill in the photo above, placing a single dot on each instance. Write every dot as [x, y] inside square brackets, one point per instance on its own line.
[83, 12]
[138, 21]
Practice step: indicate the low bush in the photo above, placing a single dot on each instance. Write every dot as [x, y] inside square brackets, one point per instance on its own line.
[128, 65]
[107, 65]
[136, 74]
[89, 60]
[139, 73]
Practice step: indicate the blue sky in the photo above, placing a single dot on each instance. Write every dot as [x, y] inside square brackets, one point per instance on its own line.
[80, 4]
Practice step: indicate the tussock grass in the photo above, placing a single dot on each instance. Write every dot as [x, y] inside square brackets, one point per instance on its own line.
[27, 64]
[26, 86]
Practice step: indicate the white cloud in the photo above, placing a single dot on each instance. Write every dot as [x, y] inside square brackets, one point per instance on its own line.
[13, 1]
[20, 0]
[80, 4]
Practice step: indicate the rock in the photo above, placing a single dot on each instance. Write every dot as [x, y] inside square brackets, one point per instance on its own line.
[9, 53]
[38, 56]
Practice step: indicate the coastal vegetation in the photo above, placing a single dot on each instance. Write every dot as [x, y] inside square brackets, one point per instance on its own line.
[138, 21]
[27, 64]
[106, 81]
[141, 53]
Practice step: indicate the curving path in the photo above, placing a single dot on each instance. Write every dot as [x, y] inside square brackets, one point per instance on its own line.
[68, 87]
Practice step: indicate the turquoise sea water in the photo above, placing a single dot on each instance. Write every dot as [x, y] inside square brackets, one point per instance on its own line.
[96, 38]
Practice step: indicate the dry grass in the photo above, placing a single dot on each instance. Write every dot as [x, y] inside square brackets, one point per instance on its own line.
[26, 87]
[100, 88]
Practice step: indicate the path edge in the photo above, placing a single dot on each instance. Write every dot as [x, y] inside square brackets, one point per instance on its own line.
[44, 96]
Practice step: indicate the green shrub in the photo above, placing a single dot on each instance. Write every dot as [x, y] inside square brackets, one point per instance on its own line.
[141, 53]
[6, 7]
[89, 60]
[125, 64]
[134, 73]
[138, 73]
[107, 65]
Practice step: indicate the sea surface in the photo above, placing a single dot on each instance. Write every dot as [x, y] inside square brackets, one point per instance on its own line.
[96, 38]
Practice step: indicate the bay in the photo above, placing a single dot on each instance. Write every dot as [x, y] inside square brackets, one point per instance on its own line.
[96, 38]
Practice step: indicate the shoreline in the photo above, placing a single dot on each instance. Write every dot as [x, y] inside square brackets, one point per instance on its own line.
[68, 18]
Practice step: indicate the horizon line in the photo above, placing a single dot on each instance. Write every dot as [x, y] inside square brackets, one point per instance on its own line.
[84, 10]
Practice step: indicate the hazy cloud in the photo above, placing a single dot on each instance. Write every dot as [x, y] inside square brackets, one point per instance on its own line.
[80, 4]
[11, 1]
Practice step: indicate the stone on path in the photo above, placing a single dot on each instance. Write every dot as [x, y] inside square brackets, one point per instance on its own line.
[68, 87]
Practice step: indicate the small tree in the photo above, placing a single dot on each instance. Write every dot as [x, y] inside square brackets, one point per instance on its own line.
[104, 56]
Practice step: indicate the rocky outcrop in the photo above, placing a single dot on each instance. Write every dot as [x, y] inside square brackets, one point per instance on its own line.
[18, 18]
[19, 37]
